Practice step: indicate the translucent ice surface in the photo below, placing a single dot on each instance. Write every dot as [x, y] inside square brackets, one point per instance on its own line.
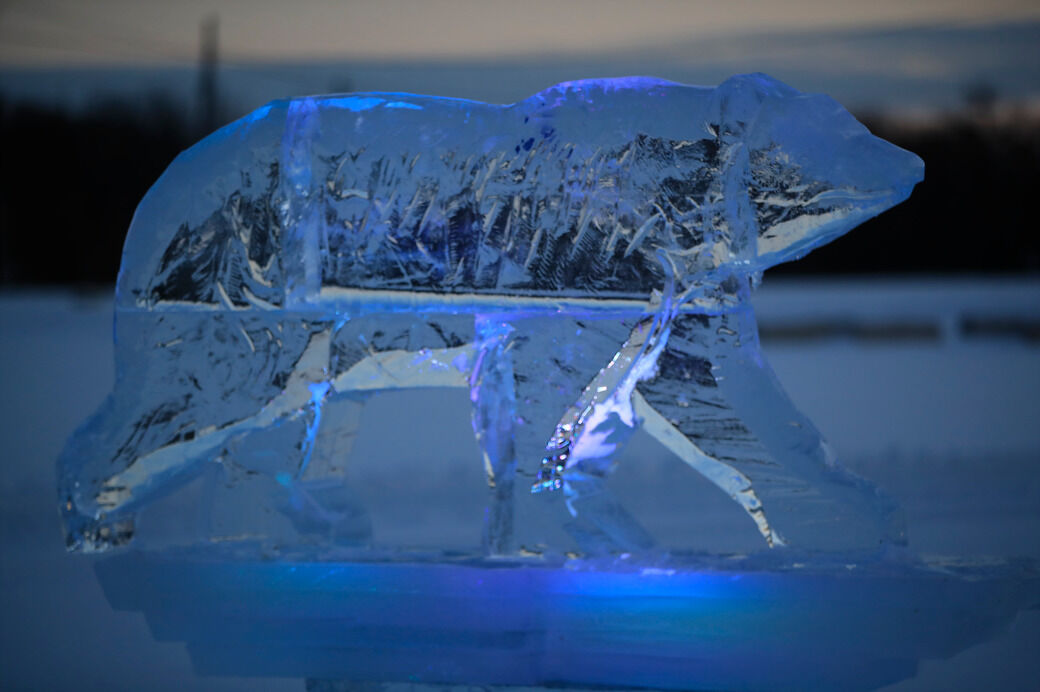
[578, 264]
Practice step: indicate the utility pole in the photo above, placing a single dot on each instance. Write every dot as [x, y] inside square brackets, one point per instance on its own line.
[209, 108]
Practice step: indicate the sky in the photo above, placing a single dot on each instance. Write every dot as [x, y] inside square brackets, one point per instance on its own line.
[63, 32]
[881, 53]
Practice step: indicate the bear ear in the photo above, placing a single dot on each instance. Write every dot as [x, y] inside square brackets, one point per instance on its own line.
[758, 83]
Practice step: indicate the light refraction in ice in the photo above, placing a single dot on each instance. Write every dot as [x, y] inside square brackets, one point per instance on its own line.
[579, 262]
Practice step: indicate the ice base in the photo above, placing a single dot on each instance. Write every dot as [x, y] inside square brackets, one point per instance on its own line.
[681, 623]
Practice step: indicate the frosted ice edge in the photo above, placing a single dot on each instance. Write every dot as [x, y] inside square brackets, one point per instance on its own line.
[326, 247]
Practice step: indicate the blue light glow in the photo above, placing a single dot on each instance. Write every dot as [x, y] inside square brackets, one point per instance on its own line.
[534, 625]
[403, 104]
[356, 103]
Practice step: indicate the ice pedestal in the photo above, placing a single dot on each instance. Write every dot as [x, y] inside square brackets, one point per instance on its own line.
[724, 625]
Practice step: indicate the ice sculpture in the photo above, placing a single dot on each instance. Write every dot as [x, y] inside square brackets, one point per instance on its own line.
[580, 262]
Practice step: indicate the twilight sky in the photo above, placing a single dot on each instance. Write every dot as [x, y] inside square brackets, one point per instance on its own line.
[873, 53]
[64, 32]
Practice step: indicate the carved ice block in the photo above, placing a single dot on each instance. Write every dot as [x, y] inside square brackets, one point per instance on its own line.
[579, 264]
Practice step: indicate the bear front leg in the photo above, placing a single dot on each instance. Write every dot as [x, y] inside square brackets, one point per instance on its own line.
[493, 395]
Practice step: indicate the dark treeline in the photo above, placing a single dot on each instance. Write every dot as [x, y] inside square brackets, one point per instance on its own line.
[69, 185]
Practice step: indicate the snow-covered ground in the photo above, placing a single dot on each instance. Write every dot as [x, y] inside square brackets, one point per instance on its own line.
[929, 388]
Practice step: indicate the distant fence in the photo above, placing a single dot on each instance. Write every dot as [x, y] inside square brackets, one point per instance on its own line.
[887, 311]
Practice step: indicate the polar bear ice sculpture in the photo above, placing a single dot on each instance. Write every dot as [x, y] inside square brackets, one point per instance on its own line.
[580, 261]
